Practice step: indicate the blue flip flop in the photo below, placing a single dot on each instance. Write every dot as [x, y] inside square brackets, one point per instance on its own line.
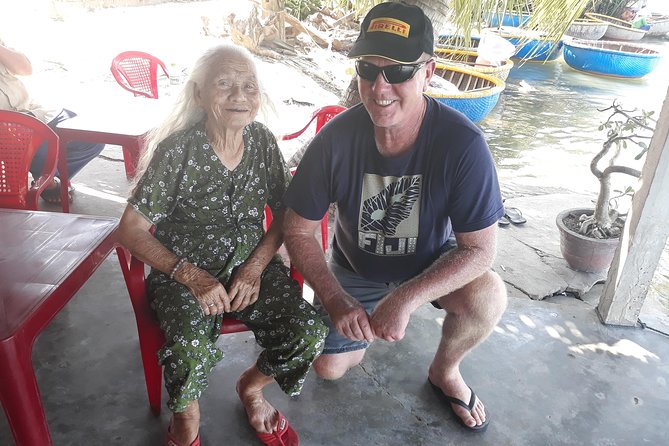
[472, 401]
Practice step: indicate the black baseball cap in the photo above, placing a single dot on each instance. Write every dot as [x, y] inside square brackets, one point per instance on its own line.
[396, 31]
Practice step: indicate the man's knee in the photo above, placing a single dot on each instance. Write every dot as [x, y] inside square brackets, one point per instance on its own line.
[484, 297]
[334, 366]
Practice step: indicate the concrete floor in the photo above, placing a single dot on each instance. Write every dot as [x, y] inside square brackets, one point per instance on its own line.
[550, 374]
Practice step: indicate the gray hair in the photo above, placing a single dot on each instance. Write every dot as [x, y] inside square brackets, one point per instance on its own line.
[186, 112]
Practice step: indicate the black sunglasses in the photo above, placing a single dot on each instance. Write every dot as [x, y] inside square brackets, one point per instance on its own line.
[393, 74]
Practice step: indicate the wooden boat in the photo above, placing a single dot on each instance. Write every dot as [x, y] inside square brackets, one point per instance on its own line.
[621, 59]
[478, 93]
[587, 29]
[530, 45]
[618, 29]
[659, 25]
[467, 58]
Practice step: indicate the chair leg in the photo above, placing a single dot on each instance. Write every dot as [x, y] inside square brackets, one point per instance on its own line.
[130, 159]
[149, 344]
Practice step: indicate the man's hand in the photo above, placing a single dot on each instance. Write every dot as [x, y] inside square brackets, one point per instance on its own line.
[350, 318]
[245, 286]
[390, 318]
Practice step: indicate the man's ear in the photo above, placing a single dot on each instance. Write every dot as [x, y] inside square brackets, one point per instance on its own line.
[430, 68]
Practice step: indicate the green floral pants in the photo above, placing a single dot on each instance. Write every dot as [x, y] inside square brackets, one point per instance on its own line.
[285, 325]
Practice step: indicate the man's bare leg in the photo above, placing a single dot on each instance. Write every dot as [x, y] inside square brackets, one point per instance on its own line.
[472, 313]
[262, 416]
[185, 425]
[334, 366]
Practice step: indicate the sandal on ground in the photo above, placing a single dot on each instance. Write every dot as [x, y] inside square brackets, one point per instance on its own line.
[472, 401]
[283, 436]
[52, 194]
[170, 441]
[514, 215]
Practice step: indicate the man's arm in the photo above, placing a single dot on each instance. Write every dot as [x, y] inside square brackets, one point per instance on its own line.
[348, 315]
[16, 62]
[474, 256]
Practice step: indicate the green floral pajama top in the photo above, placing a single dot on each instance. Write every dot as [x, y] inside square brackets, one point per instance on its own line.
[214, 217]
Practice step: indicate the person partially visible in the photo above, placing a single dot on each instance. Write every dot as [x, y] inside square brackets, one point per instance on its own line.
[406, 172]
[14, 96]
[638, 21]
[204, 180]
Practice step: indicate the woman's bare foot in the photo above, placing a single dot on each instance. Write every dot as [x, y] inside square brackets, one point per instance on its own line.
[185, 425]
[262, 416]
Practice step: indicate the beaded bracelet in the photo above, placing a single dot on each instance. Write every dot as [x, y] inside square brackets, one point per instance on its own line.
[176, 267]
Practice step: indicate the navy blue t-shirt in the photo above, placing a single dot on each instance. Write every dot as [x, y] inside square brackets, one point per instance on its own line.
[395, 214]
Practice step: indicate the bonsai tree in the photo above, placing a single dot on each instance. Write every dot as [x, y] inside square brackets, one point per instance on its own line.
[623, 127]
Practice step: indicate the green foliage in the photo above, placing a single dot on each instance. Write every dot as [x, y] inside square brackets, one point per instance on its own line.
[628, 126]
[611, 8]
[552, 17]
[357, 7]
[303, 8]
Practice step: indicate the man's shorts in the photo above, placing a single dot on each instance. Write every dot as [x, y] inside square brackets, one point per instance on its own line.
[368, 293]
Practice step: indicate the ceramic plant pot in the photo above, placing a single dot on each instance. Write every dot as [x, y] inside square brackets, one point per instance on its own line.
[583, 253]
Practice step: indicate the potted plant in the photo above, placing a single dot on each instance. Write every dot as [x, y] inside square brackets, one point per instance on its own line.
[589, 237]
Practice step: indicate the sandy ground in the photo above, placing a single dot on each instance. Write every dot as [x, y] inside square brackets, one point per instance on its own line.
[72, 47]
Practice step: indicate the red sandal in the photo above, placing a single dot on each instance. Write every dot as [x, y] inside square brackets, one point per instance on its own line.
[283, 436]
[170, 441]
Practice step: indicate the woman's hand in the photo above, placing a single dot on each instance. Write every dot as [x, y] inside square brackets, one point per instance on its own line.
[206, 289]
[245, 285]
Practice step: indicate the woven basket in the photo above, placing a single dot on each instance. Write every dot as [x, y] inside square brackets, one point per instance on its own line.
[619, 59]
[467, 58]
[618, 29]
[478, 93]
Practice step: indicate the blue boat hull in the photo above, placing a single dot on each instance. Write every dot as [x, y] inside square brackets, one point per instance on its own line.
[509, 20]
[536, 49]
[474, 108]
[610, 62]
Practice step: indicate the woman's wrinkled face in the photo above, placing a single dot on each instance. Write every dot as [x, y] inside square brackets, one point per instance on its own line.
[230, 94]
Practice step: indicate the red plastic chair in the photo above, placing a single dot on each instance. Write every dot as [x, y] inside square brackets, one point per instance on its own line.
[20, 137]
[322, 116]
[137, 72]
[151, 337]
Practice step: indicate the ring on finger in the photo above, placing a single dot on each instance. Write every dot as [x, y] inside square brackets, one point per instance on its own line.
[211, 305]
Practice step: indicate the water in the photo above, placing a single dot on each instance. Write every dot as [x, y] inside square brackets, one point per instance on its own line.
[544, 131]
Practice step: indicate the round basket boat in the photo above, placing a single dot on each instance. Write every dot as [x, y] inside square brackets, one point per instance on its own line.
[659, 25]
[457, 42]
[529, 44]
[618, 29]
[467, 58]
[478, 93]
[587, 29]
[507, 19]
[620, 59]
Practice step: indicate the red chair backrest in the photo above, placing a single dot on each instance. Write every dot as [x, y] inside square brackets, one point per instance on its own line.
[20, 137]
[322, 116]
[137, 72]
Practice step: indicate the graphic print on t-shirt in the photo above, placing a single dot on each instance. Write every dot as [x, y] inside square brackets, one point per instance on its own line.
[389, 214]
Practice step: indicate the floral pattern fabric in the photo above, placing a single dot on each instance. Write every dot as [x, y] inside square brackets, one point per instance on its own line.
[213, 216]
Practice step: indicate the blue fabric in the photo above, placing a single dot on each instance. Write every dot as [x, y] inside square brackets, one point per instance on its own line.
[394, 215]
[78, 155]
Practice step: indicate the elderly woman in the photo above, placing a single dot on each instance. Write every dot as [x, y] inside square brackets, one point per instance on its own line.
[204, 181]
